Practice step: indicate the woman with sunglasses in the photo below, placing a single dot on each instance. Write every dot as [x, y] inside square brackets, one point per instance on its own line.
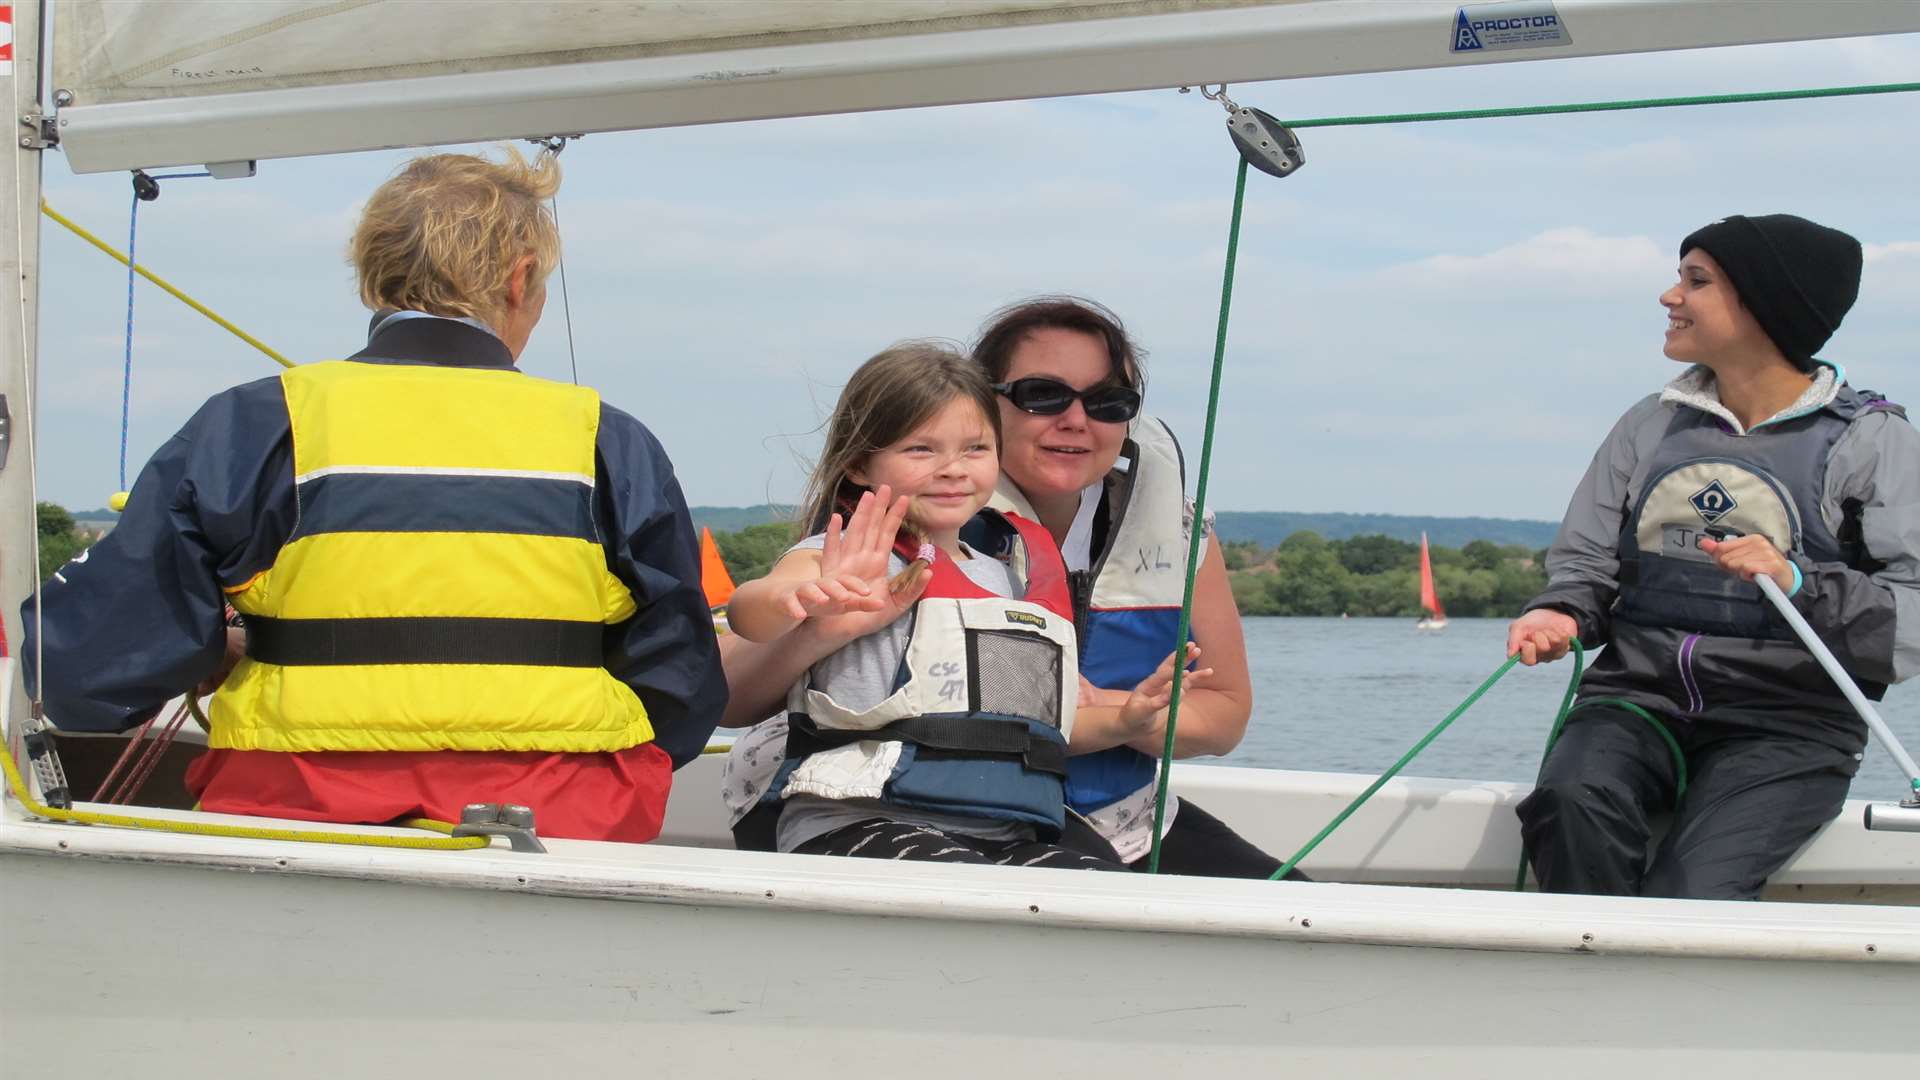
[1106, 481]
[1078, 456]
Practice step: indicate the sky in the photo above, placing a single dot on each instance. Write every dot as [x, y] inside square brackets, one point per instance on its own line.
[1441, 319]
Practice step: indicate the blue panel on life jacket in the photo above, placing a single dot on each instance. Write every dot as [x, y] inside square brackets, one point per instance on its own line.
[1001, 789]
[1121, 648]
[1101, 779]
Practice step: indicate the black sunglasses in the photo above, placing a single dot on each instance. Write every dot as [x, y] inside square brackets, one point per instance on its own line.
[1107, 403]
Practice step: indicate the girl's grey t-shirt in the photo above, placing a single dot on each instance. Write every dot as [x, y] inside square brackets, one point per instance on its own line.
[862, 675]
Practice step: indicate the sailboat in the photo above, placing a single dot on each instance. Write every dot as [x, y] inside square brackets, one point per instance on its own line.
[1434, 618]
[715, 580]
[186, 953]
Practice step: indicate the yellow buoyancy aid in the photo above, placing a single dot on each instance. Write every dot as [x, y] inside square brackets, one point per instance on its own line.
[443, 587]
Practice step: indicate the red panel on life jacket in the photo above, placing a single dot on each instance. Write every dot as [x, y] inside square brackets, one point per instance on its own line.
[1046, 570]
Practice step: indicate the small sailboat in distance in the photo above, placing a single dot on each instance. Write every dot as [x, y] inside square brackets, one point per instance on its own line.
[1433, 618]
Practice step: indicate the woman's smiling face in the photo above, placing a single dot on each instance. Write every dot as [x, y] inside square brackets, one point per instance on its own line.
[1050, 457]
[1705, 319]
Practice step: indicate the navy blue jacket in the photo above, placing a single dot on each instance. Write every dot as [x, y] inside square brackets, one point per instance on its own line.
[137, 619]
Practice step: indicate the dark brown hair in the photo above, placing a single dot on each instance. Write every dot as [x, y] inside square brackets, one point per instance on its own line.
[1011, 325]
[894, 392]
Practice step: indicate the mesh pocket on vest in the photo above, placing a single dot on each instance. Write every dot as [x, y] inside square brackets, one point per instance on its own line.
[1015, 675]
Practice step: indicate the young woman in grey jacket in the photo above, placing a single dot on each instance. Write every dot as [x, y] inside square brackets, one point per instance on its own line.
[1758, 459]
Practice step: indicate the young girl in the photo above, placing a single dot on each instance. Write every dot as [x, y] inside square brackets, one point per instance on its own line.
[933, 721]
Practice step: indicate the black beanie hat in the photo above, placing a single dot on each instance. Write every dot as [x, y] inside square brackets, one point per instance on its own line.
[1798, 278]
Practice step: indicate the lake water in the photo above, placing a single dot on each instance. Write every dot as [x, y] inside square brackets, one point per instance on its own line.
[1351, 695]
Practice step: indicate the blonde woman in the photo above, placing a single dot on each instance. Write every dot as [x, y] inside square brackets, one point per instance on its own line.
[460, 583]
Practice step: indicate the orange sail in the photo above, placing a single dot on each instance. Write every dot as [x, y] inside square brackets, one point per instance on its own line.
[713, 572]
[1428, 598]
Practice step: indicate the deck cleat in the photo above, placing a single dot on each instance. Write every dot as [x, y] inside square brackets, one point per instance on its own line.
[37, 737]
[511, 820]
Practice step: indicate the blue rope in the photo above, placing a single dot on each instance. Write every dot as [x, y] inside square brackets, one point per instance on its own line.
[126, 375]
[126, 372]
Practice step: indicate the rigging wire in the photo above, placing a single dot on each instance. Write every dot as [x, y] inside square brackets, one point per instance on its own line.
[566, 305]
[146, 188]
[552, 145]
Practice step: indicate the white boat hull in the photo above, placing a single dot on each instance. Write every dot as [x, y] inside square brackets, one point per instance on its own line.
[709, 963]
[195, 956]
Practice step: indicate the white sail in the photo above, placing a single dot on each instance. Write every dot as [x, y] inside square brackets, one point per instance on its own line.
[114, 51]
[172, 82]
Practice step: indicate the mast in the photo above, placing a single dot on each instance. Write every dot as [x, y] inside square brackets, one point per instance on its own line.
[19, 330]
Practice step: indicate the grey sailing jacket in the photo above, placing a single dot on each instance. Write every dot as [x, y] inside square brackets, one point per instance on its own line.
[1867, 613]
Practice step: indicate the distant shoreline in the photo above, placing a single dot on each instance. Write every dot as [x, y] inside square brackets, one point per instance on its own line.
[1265, 527]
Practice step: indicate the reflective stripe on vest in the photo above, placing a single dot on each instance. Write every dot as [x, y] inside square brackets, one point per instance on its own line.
[978, 722]
[1133, 614]
[443, 587]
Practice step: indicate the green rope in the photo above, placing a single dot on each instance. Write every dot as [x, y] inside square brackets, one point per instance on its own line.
[1340, 819]
[1198, 530]
[1606, 106]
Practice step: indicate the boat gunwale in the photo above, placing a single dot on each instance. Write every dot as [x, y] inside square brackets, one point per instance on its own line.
[1304, 913]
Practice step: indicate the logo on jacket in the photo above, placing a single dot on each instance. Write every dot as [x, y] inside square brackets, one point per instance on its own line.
[1713, 502]
[1027, 618]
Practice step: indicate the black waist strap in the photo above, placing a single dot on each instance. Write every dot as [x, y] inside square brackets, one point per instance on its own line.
[530, 642]
[948, 734]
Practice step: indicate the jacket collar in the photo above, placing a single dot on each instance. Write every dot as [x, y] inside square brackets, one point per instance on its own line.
[1695, 388]
[433, 340]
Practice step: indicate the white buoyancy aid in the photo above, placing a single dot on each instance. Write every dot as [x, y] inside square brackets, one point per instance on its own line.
[978, 720]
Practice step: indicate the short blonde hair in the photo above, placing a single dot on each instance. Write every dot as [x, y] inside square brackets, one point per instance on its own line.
[442, 235]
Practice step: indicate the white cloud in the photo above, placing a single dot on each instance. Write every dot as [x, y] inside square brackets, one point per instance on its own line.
[1571, 257]
[1894, 252]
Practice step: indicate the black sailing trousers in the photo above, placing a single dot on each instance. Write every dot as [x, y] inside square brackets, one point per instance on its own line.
[1753, 799]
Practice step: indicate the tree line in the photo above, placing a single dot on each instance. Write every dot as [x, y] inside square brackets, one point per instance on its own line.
[1305, 574]
[60, 537]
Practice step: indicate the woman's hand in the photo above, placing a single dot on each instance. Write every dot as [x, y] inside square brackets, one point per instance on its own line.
[1143, 712]
[1749, 557]
[236, 650]
[1541, 636]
